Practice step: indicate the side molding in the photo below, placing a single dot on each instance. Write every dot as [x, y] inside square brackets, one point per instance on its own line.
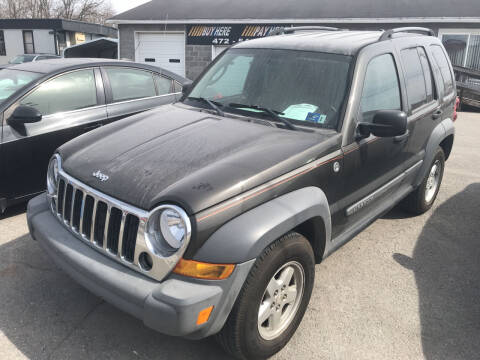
[440, 133]
[245, 237]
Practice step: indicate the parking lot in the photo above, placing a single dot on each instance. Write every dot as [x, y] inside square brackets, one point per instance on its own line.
[405, 288]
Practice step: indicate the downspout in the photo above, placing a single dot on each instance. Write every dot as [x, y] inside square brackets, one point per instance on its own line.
[55, 41]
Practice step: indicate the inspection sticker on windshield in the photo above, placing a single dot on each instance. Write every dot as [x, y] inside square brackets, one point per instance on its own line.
[316, 118]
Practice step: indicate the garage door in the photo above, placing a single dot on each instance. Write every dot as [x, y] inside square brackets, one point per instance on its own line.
[166, 50]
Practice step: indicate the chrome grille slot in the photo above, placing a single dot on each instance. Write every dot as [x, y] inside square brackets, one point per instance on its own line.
[114, 229]
[60, 196]
[77, 209]
[99, 227]
[87, 216]
[129, 237]
[67, 204]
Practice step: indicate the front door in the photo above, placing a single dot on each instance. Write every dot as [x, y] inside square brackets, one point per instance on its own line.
[372, 165]
[70, 106]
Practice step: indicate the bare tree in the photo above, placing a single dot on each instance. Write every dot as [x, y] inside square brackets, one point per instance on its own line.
[97, 11]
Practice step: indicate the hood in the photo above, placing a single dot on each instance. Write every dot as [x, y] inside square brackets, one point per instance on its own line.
[177, 154]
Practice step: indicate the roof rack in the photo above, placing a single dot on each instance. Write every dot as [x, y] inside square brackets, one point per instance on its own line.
[291, 30]
[387, 34]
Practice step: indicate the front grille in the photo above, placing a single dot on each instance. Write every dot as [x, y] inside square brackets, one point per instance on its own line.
[110, 226]
[95, 219]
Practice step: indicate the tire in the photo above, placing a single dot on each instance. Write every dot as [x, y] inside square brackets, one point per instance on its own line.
[422, 199]
[242, 336]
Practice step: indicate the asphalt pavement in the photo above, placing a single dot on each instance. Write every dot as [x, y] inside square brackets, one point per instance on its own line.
[405, 288]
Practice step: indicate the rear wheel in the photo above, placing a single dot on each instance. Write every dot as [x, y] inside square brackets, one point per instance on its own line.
[273, 300]
[422, 199]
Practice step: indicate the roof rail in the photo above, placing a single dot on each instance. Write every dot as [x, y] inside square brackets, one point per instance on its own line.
[291, 30]
[387, 34]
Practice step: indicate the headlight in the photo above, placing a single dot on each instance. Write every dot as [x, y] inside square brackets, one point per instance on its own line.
[168, 229]
[52, 175]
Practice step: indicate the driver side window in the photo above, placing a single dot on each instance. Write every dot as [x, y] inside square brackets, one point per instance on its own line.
[72, 91]
[381, 90]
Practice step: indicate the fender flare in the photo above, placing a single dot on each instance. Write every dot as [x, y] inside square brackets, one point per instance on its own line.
[246, 236]
[439, 133]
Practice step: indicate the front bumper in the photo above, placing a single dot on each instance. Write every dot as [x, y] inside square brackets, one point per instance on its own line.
[170, 307]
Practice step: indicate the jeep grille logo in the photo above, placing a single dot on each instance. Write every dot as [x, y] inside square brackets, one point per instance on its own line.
[100, 176]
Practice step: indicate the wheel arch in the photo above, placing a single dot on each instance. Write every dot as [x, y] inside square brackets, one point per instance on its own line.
[243, 238]
[447, 145]
[313, 230]
[442, 135]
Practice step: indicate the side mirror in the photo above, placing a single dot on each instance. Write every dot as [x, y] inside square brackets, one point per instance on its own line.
[386, 123]
[24, 114]
[186, 88]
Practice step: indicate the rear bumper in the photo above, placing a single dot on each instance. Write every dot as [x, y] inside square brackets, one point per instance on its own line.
[170, 307]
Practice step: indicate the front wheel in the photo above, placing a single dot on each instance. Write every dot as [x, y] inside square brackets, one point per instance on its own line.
[273, 300]
[422, 199]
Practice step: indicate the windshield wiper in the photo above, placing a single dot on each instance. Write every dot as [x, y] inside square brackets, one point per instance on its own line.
[273, 113]
[212, 104]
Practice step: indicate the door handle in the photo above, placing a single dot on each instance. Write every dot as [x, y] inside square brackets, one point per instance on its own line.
[401, 138]
[437, 114]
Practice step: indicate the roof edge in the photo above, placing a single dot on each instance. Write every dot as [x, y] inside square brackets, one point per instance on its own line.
[304, 21]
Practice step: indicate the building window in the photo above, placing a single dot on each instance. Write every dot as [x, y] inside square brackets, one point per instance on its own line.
[3, 51]
[28, 44]
[463, 49]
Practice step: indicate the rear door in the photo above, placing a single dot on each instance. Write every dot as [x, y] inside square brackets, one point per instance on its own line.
[71, 104]
[133, 90]
[424, 109]
[444, 79]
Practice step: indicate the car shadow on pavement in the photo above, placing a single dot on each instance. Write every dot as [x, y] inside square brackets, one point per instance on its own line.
[46, 315]
[446, 264]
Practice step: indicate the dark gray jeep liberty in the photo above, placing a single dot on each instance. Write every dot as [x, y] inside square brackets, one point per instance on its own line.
[207, 216]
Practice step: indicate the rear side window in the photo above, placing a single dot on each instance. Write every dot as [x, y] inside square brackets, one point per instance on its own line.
[442, 62]
[416, 83]
[380, 90]
[164, 85]
[427, 73]
[130, 84]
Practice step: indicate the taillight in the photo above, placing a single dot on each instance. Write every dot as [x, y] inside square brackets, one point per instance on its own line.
[457, 103]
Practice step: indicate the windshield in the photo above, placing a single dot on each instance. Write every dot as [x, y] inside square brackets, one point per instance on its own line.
[20, 59]
[307, 88]
[12, 80]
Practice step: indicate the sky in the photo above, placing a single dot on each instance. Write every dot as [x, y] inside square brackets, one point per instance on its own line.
[124, 5]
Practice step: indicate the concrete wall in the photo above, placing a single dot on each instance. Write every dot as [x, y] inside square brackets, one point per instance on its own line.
[197, 58]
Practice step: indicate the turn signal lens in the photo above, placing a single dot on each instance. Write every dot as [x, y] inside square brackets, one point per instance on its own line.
[204, 315]
[201, 270]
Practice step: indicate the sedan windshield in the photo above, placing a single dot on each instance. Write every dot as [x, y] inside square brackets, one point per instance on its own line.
[12, 80]
[306, 88]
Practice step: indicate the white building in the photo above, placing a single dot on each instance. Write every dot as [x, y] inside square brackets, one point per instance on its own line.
[184, 35]
[49, 36]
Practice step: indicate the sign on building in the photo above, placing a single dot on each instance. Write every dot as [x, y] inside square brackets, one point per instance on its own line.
[227, 34]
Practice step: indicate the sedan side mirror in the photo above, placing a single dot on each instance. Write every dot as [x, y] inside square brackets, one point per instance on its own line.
[24, 114]
[386, 123]
[186, 88]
